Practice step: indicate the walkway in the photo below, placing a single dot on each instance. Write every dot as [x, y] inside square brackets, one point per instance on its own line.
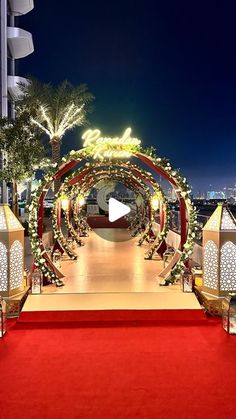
[110, 267]
[111, 275]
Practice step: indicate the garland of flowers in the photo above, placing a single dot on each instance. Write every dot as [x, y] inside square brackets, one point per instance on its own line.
[146, 232]
[58, 235]
[184, 191]
[80, 221]
[71, 229]
[37, 247]
[64, 190]
[149, 226]
[163, 234]
[137, 226]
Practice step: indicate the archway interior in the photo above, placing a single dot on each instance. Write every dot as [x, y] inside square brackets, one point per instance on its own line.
[124, 174]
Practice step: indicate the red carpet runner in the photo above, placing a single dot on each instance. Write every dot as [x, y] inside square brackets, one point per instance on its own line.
[122, 370]
[111, 315]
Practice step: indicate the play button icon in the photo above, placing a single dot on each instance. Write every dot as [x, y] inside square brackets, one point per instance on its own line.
[117, 210]
[111, 224]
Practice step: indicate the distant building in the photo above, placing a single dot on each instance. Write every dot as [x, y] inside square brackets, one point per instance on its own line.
[230, 192]
[200, 195]
[215, 195]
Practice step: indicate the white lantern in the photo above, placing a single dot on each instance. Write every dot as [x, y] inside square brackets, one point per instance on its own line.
[36, 282]
[56, 258]
[219, 253]
[11, 253]
[187, 281]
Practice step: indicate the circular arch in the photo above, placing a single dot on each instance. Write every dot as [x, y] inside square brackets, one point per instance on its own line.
[64, 190]
[125, 170]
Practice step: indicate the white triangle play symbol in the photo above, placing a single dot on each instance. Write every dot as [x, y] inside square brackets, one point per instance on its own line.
[117, 210]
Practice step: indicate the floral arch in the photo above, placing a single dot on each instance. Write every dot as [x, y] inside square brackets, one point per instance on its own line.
[112, 153]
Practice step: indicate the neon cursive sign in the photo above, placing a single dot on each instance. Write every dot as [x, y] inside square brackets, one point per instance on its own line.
[110, 147]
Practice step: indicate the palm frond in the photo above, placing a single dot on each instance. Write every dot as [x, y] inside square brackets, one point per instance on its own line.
[58, 109]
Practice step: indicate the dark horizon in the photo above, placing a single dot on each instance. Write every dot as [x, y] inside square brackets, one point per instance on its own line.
[168, 71]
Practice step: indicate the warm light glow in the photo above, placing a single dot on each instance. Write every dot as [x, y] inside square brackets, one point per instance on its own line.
[213, 224]
[210, 263]
[8, 220]
[64, 202]
[107, 147]
[71, 117]
[16, 265]
[3, 225]
[12, 221]
[81, 200]
[3, 267]
[228, 267]
[155, 201]
[227, 222]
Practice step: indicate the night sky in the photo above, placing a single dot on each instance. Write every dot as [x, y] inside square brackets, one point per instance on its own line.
[165, 68]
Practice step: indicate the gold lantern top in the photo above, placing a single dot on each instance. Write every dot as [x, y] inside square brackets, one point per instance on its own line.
[8, 221]
[221, 220]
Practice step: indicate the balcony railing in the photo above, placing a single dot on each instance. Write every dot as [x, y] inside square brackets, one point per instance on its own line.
[175, 224]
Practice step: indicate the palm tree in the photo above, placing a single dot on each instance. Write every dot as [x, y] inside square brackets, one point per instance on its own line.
[56, 110]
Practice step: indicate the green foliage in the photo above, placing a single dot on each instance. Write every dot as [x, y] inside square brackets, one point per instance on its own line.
[21, 139]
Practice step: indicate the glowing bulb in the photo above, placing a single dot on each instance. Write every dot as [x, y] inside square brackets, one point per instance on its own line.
[81, 201]
[155, 202]
[64, 202]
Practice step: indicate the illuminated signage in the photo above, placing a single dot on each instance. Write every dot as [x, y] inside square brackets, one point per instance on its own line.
[107, 147]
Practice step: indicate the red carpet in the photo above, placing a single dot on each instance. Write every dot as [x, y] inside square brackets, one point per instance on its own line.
[148, 370]
[111, 315]
[101, 221]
